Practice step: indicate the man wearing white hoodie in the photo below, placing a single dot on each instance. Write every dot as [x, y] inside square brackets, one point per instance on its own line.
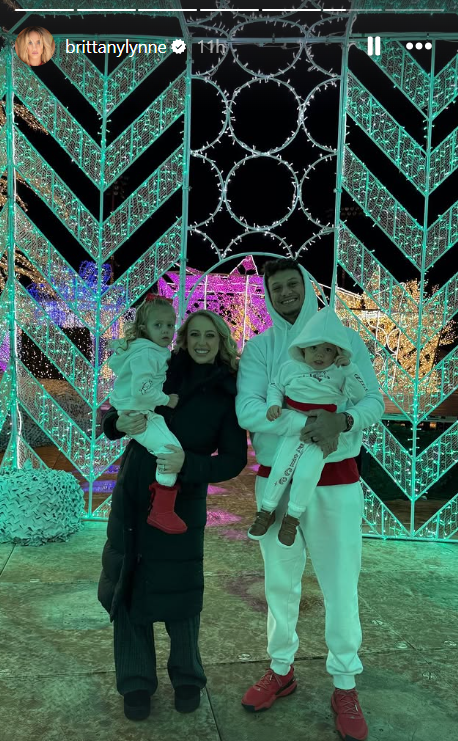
[331, 525]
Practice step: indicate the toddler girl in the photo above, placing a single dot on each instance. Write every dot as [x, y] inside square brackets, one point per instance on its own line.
[140, 363]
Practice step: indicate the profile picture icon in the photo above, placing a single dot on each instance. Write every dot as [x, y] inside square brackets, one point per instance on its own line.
[35, 46]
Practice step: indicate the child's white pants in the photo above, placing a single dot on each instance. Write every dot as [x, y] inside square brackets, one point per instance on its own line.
[303, 462]
[156, 436]
[331, 528]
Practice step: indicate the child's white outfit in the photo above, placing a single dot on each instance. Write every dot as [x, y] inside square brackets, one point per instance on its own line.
[304, 388]
[140, 367]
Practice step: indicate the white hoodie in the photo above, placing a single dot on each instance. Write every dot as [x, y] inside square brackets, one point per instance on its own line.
[303, 383]
[259, 364]
[140, 367]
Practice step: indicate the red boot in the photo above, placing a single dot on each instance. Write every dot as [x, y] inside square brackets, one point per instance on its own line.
[162, 514]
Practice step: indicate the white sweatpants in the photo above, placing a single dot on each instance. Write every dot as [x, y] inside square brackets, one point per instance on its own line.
[304, 462]
[301, 462]
[156, 436]
[331, 527]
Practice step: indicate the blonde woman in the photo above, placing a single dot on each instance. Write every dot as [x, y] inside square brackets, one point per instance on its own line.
[148, 575]
[35, 46]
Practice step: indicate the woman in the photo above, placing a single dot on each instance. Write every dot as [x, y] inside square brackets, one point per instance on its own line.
[35, 46]
[147, 574]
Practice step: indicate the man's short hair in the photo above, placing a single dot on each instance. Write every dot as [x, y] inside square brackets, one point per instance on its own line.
[271, 267]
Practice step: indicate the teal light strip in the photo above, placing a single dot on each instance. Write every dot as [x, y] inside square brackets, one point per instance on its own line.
[395, 143]
[369, 274]
[57, 121]
[158, 259]
[54, 343]
[55, 194]
[403, 70]
[55, 270]
[11, 277]
[383, 208]
[138, 207]
[145, 130]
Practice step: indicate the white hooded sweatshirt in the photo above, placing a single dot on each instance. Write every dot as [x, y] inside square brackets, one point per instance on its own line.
[261, 359]
[140, 367]
[305, 384]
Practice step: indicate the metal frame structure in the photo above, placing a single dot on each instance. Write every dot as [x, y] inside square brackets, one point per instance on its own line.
[421, 242]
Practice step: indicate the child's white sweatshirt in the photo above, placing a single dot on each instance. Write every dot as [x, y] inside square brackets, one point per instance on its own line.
[259, 364]
[305, 384]
[140, 374]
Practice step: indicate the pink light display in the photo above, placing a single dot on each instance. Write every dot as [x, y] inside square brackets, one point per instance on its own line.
[238, 297]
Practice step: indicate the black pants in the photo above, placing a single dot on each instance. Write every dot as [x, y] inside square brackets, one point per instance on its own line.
[135, 655]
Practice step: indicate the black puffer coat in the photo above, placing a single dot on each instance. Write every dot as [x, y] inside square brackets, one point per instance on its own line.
[157, 576]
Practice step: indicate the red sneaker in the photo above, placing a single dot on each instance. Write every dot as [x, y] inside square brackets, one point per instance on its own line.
[349, 717]
[262, 695]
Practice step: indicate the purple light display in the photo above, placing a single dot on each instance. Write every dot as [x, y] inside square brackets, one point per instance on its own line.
[238, 297]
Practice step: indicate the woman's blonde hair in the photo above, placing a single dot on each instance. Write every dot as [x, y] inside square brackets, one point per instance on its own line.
[22, 40]
[133, 330]
[228, 350]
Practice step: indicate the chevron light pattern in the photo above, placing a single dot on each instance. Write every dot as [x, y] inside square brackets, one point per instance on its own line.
[96, 308]
[425, 166]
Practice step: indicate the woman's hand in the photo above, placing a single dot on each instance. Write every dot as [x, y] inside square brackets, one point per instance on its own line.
[131, 422]
[173, 401]
[171, 462]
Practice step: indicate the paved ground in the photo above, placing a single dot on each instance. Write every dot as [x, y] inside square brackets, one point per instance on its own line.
[56, 666]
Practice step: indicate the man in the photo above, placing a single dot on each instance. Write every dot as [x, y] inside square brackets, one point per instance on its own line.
[331, 525]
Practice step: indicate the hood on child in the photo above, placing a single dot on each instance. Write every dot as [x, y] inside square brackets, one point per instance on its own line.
[324, 326]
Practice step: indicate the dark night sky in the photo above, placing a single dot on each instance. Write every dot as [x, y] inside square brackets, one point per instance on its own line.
[265, 117]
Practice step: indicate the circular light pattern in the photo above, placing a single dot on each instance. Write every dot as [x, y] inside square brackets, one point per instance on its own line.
[202, 51]
[316, 30]
[276, 28]
[237, 172]
[224, 113]
[219, 199]
[194, 230]
[241, 238]
[240, 91]
[308, 243]
[311, 168]
[307, 103]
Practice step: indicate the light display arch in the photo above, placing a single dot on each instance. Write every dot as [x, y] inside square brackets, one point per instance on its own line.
[420, 236]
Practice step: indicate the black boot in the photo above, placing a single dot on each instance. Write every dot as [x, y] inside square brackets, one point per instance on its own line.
[187, 698]
[137, 705]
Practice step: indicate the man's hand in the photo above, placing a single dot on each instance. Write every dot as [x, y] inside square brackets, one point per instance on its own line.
[273, 412]
[322, 427]
[131, 422]
[329, 447]
[173, 401]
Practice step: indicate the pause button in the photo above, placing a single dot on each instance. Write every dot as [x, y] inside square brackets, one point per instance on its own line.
[370, 46]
